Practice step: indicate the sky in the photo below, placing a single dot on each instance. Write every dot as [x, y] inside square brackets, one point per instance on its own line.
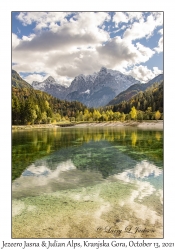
[66, 44]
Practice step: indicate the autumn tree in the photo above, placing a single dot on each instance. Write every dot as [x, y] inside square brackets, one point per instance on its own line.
[103, 117]
[157, 115]
[133, 113]
[122, 117]
[116, 116]
[110, 114]
[86, 115]
[96, 115]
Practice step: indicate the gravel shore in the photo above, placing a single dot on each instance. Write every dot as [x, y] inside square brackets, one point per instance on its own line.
[143, 124]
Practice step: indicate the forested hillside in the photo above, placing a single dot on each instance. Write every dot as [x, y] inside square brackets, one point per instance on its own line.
[149, 101]
[30, 106]
[133, 90]
[33, 106]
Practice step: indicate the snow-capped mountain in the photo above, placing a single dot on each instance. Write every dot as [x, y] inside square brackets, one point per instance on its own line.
[51, 87]
[93, 90]
[45, 84]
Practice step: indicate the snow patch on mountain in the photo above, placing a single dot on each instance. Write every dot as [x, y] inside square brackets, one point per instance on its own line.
[86, 92]
[94, 90]
[47, 83]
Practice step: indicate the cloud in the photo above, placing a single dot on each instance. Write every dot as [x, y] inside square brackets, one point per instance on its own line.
[134, 16]
[120, 17]
[66, 81]
[66, 44]
[28, 38]
[19, 31]
[126, 17]
[15, 40]
[157, 71]
[122, 53]
[62, 40]
[145, 52]
[116, 53]
[160, 31]
[42, 19]
[158, 17]
[75, 63]
[143, 74]
[143, 28]
[30, 66]
[159, 48]
[56, 52]
[35, 77]
[83, 31]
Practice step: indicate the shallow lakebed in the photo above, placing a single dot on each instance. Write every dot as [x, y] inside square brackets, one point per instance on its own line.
[101, 182]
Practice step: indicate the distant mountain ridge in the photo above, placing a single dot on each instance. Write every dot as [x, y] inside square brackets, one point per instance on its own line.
[92, 90]
[147, 101]
[48, 85]
[18, 82]
[133, 90]
[98, 89]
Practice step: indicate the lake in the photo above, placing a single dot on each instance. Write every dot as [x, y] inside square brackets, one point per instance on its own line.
[101, 182]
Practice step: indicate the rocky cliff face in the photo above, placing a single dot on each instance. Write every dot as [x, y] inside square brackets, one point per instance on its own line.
[93, 90]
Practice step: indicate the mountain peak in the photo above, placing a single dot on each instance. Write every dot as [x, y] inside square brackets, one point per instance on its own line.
[93, 90]
[103, 70]
[50, 79]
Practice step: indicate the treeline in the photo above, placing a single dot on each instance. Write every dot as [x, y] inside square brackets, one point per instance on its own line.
[152, 97]
[147, 105]
[31, 106]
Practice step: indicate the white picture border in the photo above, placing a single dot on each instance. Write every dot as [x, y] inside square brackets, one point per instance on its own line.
[5, 96]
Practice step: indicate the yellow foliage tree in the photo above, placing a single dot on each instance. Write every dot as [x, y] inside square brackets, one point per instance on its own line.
[133, 113]
[96, 115]
[157, 115]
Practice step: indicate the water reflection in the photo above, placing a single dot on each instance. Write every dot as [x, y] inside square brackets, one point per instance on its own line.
[142, 170]
[38, 179]
[124, 200]
[134, 138]
[43, 171]
[29, 146]
[140, 176]
[74, 180]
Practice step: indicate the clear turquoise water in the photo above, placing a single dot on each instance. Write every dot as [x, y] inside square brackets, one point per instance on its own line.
[69, 182]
